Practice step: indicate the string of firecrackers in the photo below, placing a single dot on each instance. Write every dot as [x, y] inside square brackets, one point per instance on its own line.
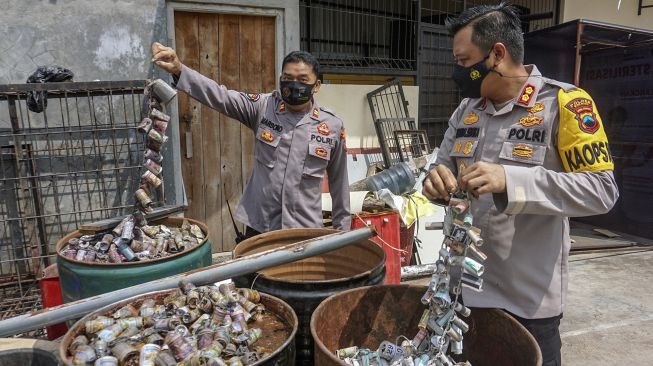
[154, 128]
[442, 325]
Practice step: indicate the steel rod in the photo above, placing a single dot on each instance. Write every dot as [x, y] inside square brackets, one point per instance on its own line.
[218, 272]
[417, 271]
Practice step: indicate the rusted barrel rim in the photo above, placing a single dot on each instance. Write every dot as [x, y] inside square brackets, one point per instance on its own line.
[80, 324]
[331, 298]
[376, 268]
[75, 234]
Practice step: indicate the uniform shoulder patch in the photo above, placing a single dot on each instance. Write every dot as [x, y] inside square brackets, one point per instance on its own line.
[582, 142]
[583, 109]
[254, 97]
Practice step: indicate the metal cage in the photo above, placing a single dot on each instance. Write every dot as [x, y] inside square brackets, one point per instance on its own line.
[412, 144]
[78, 161]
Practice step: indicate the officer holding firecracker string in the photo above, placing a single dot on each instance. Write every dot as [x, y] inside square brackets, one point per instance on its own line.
[533, 151]
[296, 142]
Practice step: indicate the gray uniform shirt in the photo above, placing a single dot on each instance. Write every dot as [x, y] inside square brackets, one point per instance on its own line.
[292, 151]
[552, 146]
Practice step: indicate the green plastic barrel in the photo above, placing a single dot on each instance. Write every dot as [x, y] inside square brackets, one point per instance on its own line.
[80, 280]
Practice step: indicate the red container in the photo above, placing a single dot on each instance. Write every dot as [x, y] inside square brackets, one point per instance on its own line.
[51, 296]
[387, 228]
[406, 240]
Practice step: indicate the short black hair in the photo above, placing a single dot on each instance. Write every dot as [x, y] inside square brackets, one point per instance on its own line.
[492, 24]
[302, 56]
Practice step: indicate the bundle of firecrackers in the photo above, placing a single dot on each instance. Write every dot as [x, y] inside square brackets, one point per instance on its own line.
[134, 240]
[442, 325]
[208, 325]
[154, 128]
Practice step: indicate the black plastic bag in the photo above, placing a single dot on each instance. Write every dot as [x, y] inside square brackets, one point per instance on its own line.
[37, 101]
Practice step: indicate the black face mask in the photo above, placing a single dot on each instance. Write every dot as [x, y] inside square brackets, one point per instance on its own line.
[295, 92]
[469, 79]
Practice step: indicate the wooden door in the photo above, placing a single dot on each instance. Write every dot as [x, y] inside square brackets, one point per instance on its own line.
[217, 152]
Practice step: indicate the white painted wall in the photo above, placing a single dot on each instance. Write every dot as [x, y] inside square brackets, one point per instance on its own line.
[349, 102]
[609, 11]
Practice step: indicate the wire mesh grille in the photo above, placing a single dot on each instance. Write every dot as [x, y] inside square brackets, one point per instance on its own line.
[75, 163]
[388, 101]
[385, 129]
[411, 144]
[361, 36]
[389, 110]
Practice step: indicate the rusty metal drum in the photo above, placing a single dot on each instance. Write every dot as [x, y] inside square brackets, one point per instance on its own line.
[367, 316]
[304, 284]
[80, 279]
[284, 355]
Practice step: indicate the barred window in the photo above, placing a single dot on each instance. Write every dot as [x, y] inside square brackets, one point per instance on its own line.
[361, 36]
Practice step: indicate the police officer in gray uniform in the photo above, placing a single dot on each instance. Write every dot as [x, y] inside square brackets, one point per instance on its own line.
[296, 142]
[534, 152]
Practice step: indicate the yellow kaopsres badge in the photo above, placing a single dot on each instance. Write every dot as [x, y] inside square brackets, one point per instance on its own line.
[582, 143]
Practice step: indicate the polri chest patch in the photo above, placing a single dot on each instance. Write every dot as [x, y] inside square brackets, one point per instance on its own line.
[322, 134]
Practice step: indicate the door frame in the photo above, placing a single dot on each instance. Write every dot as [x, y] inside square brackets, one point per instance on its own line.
[286, 14]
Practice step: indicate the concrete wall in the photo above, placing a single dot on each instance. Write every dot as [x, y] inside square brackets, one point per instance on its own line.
[100, 39]
[609, 12]
[96, 39]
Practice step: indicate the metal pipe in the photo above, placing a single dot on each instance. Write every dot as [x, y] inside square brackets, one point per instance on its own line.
[218, 272]
[418, 271]
[579, 36]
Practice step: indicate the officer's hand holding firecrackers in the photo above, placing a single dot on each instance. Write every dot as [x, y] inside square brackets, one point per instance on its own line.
[440, 183]
[537, 144]
[289, 125]
[166, 58]
[479, 178]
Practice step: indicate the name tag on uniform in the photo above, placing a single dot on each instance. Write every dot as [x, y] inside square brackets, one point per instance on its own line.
[319, 150]
[268, 136]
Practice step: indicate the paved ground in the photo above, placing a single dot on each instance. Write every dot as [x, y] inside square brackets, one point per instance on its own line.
[609, 318]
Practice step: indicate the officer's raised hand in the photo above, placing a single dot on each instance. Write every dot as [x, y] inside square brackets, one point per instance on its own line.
[482, 177]
[166, 58]
[439, 183]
